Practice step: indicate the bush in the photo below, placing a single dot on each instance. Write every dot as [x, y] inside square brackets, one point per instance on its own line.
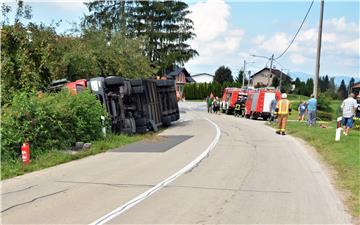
[326, 116]
[49, 121]
[324, 104]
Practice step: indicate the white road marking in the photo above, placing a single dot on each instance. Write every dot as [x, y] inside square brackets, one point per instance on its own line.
[116, 212]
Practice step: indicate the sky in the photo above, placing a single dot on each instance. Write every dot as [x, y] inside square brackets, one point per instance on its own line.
[229, 32]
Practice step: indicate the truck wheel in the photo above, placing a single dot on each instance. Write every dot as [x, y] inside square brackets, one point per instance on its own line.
[138, 89]
[114, 81]
[177, 116]
[166, 120]
[253, 116]
[127, 131]
[153, 126]
[140, 122]
[141, 130]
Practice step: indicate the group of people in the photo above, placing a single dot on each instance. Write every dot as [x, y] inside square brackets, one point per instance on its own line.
[213, 104]
[309, 107]
[282, 109]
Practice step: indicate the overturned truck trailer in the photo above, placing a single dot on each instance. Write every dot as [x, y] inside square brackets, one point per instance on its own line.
[136, 106]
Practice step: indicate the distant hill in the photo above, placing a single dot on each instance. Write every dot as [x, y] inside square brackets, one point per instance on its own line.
[304, 76]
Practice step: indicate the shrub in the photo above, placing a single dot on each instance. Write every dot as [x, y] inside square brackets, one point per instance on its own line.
[326, 116]
[324, 104]
[49, 121]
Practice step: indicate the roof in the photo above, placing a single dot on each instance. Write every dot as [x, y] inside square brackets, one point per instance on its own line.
[273, 71]
[356, 85]
[179, 70]
[202, 74]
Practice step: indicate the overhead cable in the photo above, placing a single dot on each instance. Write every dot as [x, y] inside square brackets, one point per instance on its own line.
[302, 23]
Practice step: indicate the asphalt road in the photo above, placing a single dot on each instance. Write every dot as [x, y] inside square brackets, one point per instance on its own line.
[251, 175]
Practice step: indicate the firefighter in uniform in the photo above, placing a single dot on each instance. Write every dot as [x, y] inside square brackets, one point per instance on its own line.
[237, 112]
[283, 109]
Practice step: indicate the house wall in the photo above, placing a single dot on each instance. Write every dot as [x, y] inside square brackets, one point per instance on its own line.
[180, 78]
[262, 77]
[203, 78]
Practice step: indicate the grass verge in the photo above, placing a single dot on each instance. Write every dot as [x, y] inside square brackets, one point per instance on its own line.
[343, 156]
[55, 157]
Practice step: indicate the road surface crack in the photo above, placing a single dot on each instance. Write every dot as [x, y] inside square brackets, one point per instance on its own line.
[10, 192]
[33, 200]
[106, 184]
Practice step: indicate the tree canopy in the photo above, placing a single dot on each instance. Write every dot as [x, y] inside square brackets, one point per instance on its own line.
[163, 25]
[223, 74]
[33, 55]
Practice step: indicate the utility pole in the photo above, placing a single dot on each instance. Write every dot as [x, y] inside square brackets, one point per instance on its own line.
[271, 62]
[243, 80]
[317, 66]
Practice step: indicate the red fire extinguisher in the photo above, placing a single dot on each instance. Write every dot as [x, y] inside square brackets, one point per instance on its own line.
[25, 152]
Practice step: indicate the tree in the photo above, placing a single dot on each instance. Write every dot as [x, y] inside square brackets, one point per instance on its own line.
[309, 87]
[108, 15]
[341, 92]
[239, 78]
[297, 86]
[222, 75]
[34, 55]
[164, 25]
[275, 82]
[351, 83]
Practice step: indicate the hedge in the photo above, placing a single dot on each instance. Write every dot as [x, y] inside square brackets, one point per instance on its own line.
[49, 121]
[201, 90]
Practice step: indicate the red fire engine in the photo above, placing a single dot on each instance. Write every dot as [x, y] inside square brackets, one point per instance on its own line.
[258, 103]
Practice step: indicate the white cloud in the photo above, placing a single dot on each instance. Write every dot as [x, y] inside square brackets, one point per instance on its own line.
[351, 46]
[307, 35]
[259, 39]
[216, 42]
[275, 44]
[297, 58]
[340, 46]
[210, 19]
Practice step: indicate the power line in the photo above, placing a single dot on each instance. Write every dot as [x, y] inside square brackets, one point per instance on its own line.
[302, 23]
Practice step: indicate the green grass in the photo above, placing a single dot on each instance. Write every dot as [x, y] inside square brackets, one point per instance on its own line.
[293, 97]
[55, 157]
[343, 156]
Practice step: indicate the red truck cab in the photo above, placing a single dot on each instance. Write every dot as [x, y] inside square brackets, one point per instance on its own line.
[76, 86]
[230, 97]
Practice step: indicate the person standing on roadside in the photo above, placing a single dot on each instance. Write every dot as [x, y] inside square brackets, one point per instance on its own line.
[348, 106]
[209, 104]
[311, 109]
[302, 109]
[273, 104]
[283, 110]
[216, 105]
